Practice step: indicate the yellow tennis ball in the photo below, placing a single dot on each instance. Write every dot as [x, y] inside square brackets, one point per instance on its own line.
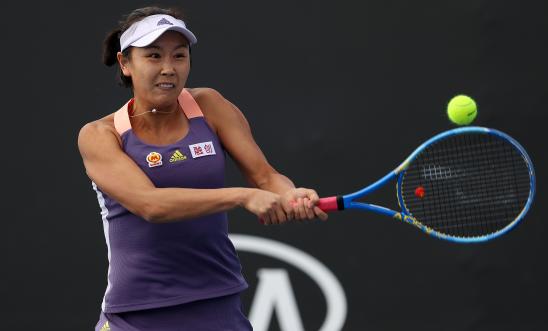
[462, 110]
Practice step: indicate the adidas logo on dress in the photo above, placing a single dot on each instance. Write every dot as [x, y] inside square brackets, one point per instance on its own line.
[105, 327]
[177, 156]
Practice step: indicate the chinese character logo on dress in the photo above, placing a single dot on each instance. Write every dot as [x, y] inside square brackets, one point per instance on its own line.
[202, 149]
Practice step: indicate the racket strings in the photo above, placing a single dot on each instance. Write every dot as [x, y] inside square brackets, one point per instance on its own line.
[474, 184]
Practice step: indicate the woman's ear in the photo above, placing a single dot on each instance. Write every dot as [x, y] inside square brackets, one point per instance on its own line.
[123, 61]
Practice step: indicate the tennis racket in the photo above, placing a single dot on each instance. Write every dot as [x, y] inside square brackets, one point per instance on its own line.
[464, 185]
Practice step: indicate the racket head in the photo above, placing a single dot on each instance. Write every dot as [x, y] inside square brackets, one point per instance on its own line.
[466, 185]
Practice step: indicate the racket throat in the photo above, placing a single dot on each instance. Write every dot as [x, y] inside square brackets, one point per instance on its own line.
[405, 218]
[340, 202]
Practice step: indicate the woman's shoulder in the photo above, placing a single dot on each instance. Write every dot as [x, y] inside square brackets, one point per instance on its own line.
[101, 126]
[211, 101]
[213, 105]
[206, 96]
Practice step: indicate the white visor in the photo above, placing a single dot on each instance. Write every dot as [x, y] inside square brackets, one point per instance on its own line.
[147, 30]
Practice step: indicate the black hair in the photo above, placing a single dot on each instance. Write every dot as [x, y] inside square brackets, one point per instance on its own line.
[111, 43]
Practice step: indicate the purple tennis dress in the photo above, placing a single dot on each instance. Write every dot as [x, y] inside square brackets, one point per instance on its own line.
[177, 276]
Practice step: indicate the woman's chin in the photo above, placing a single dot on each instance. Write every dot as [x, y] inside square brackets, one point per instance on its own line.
[165, 98]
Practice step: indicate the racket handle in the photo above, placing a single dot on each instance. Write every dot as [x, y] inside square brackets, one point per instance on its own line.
[331, 204]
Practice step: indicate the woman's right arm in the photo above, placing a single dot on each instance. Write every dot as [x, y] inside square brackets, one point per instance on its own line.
[116, 174]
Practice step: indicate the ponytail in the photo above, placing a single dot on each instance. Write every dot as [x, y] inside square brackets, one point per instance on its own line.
[111, 46]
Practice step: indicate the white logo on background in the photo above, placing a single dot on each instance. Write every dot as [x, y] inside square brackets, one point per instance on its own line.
[274, 292]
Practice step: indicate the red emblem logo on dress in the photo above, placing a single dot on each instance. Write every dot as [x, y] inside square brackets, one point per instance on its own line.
[154, 159]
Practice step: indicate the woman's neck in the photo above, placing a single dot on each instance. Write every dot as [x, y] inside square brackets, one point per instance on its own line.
[147, 116]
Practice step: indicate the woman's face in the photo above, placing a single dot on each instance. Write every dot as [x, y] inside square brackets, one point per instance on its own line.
[159, 71]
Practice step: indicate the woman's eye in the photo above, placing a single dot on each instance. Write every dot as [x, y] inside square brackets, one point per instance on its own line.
[154, 55]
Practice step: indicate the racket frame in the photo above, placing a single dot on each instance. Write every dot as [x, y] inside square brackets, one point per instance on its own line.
[348, 201]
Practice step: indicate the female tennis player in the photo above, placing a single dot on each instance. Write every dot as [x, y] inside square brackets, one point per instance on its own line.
[157, 166]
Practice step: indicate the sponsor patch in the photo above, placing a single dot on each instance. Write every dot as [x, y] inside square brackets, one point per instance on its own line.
[177, 156]
[105, 327]
[202, 149]
[154, 159]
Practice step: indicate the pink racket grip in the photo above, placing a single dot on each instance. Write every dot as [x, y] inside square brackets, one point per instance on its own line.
[331, 204]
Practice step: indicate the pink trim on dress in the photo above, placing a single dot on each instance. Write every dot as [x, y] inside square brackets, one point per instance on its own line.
[189, 105]
[121, 119]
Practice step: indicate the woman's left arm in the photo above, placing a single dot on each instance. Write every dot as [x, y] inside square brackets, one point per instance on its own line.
[235, 134]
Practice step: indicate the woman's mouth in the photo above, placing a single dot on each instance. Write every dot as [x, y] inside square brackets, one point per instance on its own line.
[166, 86]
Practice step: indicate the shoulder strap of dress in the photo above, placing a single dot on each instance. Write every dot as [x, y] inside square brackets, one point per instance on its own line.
[121, 119]
[189, 105]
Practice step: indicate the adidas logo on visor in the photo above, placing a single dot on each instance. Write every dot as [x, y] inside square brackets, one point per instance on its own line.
[163, 21]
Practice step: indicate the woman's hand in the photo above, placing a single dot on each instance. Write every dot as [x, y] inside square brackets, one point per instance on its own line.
[267, 206]
[301, 204]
